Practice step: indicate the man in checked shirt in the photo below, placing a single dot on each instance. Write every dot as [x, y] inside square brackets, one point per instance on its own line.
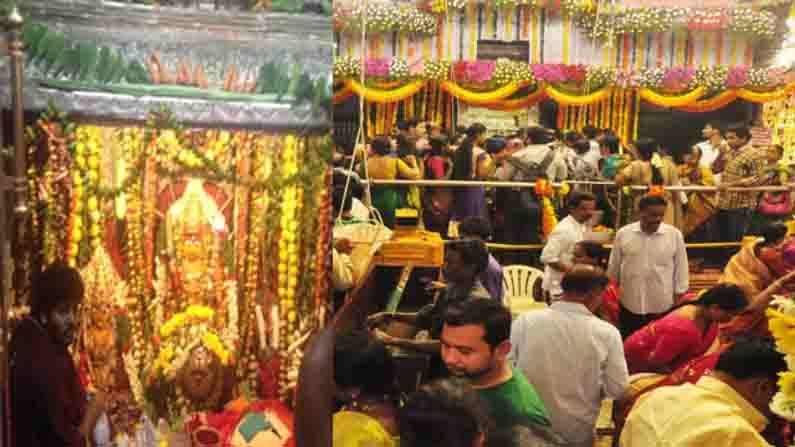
[745, 167]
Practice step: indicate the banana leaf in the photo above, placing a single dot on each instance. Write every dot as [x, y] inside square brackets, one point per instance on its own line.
[54, 52]
[32, 35]
[88, 60]
[60, 63]
[71, 66]
[104, 65]
[41, 47]
[118, 69]
[295, 80]
[267, 75]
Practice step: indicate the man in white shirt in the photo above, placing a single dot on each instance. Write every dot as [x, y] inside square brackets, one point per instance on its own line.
[572, 358]
[559, 250]
[649, 263]
[712, 146]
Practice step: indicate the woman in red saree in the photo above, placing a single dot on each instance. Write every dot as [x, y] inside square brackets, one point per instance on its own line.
[685, 333]
[752, 318]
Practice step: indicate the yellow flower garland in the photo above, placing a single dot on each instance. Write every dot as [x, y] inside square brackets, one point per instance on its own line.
[752, 96]
[471, 97]
[671, 101]
[548, 220]
[510, 105]
[711, 104]
[385, 96]
[565, 99]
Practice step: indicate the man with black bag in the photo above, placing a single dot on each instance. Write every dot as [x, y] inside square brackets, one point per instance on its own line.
[523, 209]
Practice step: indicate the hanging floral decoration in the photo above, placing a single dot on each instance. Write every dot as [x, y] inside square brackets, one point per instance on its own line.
[754, 24]
[380, 16]
[574, 79]
[754, 21]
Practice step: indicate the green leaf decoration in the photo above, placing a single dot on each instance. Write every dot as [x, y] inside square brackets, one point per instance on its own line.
[32, 35]
[59, 64]
[295, 80]
[266, 81]
[53, 52]
[71, 67]
[42, 45]
[117, 70]
[104, 65]
[88, 60]
[137, 74]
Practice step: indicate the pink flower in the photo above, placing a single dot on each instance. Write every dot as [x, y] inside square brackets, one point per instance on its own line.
[553, 73]
[737, 77]
[377, 67]
[480, 71]
[417, 67]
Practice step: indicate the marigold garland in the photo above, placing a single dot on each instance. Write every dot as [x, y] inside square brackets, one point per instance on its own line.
[472, 97]
[566, 99]
[385, 96]
[510, 105]
[759, 97]
[708, 105]
[671, 101]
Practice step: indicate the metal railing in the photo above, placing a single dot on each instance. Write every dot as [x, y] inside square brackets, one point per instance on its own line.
[536, 247]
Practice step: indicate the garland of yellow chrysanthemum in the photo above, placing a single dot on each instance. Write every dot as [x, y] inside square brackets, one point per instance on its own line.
[384, 96]
[709, 105]
[510, 105]
[566, 99]
[183, 328]
[760, 97]
[288, 259]
[671, 101]
[472, 97]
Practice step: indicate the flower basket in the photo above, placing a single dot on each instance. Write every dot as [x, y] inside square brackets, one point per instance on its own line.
[367, 239]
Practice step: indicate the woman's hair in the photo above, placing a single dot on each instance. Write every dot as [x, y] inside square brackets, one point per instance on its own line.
[462, 163]
[362, 361]
[56, 284]
[406, 146]
[381, 145]
[647, 147]
[442, 414]
[729, 297]
[773, 233]
[611, 142]
[596, 251]
[438, 145]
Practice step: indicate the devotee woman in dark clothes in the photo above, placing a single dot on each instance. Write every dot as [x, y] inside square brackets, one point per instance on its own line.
[49, 406]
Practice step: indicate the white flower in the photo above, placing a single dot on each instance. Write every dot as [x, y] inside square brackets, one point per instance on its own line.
[783, 406]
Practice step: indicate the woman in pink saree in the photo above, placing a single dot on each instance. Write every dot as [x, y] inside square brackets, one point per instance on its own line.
[687, 332]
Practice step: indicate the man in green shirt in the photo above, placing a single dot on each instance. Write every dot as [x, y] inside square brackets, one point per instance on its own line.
[475, 343]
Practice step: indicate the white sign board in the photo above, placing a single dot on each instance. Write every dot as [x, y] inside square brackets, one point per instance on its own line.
[497, 121]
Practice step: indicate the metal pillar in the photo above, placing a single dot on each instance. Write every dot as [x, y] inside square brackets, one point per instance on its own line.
[13, 226]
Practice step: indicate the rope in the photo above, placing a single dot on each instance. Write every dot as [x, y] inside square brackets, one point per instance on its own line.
[500, 184]
[496, 246]
[359, 140]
